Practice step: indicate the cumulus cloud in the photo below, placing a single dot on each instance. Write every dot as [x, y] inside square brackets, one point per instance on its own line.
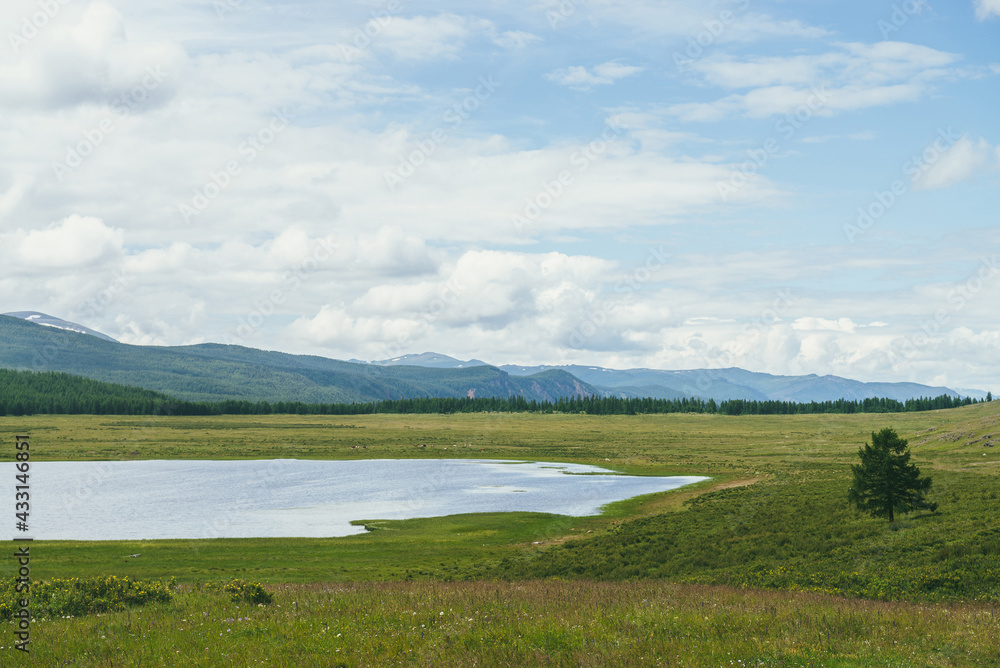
[86, 57]
[72, 242]
[823, 324]
[481, 295]
[304, 247]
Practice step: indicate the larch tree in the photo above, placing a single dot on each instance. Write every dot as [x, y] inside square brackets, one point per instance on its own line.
[885, 482]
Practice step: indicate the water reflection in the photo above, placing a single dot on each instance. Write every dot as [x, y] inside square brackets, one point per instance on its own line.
[306, 498]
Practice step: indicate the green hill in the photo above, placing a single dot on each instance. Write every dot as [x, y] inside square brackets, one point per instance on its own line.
[28, 392]
[212, 372]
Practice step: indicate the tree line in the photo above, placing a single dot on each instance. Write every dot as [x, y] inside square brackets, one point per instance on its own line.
[31, 393]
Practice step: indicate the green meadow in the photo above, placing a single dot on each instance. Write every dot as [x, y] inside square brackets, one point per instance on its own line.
[765, 564]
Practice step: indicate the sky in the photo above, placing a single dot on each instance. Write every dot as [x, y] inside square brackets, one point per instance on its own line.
[787, 186]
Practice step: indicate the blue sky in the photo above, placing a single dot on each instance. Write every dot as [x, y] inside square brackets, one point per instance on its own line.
[790, 187]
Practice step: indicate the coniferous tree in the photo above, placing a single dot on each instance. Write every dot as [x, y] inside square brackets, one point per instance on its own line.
[885, 482]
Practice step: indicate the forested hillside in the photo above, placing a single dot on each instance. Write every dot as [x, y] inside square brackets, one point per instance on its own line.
[30, 393]
[214, 372]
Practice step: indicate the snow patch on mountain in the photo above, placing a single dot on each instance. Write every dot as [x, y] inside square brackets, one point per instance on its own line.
[45, 320]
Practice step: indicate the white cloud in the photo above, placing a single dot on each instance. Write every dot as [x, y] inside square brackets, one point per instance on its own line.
[806, 102]
[658, 19]
[309, 232]
[960, 162]
[823, 324]
[754, 27]
[515, 39]
[85, 56]
[482, 295]
[856, 76]
[75, 241]
[580, 78]
[987, 8]
[423, 37]
[872, 64]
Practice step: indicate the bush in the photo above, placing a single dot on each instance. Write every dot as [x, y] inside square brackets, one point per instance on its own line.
[75, 597]
[251, 592]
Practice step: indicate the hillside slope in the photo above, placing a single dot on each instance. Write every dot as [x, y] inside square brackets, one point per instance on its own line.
[718, 384]
[209, 372]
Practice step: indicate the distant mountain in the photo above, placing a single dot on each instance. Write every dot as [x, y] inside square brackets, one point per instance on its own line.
[723, 384]
[209, 372]
[431, 360]
[51, 321]
[974, 394]
[734, 383]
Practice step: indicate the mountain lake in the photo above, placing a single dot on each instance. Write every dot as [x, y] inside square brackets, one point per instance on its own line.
[134, 500]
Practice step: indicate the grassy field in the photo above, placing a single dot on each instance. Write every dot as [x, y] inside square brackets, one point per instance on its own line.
[529, 623]
[773, 517]
[643, 444]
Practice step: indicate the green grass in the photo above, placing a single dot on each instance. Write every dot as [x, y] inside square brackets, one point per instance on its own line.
[774, 517]
[81, 596]
[797, 533]
[446, 548]
[530, 623]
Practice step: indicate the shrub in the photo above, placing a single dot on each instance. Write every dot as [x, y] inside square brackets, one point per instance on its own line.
[251, 592]
[58, 597]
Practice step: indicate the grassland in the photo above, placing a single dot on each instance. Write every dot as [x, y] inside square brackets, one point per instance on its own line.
[773, 517]
[530, 623]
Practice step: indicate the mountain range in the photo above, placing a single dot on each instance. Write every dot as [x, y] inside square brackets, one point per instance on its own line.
[718, 384]
[208, 372]
[38, 318]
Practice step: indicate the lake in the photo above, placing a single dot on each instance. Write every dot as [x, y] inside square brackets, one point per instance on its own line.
[131, 500]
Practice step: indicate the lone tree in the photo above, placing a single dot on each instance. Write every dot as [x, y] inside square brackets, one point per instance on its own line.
[885, 482]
